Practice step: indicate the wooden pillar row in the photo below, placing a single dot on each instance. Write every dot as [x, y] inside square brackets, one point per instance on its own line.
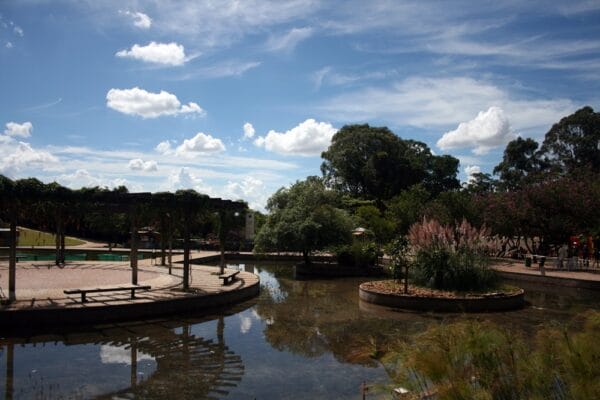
[186, 252]
[12, 258]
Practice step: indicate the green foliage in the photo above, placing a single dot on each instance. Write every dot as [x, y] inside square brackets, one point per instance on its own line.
[520, 164]
[398, 250]
[480, 360]
[374, 163]
[451, 257]
[450, 207]
[304, 218]
[371, 218]
[358, 254]
[573, 142]
[407, 208]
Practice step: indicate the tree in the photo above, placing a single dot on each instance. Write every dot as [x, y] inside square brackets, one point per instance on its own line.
[407, 208]
[481, 183]
[374, 163]
[304, 218]
[370, 217]
[574, 142]
[521, 160]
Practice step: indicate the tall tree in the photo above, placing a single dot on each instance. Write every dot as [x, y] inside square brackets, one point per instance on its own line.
[374, 163]
[304, 218]
[574, 142]
[521, 160]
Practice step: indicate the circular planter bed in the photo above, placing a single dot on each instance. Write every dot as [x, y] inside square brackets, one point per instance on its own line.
[391, 294]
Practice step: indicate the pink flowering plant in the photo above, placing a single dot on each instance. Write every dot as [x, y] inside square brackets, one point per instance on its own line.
[451, 257]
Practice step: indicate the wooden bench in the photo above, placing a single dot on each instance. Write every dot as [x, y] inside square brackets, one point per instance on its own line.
[83, 292]
[228, 278]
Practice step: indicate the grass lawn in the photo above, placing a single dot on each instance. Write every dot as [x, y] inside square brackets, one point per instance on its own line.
[29, 237]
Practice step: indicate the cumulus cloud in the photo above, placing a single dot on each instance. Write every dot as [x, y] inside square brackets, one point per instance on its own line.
[249, 189]
[137, 164]
[309, 138]
[290, 40]
[24, 156]
[164, 147]
[202, 143]
[471, 170]
[140, 20]
[183, 178]
[83, 178]
[18, 31]
[14, 129]
[248, 131]
[8, 45]
[158, 53]
[487, 130]
[137, 101]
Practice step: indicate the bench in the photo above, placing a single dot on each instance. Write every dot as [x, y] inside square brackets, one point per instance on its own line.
[228, 278]
[83, 292]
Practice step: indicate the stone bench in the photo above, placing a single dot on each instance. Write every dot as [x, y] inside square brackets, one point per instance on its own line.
[228, 278]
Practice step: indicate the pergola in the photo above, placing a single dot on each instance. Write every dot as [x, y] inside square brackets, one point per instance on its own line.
[181, 208]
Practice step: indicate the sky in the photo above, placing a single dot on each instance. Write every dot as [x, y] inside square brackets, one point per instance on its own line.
[237, 98]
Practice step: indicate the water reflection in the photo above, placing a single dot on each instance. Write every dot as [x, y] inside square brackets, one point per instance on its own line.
[147, 360]
[300, 339]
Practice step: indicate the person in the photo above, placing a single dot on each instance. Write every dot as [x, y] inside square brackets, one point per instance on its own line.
[562, 254]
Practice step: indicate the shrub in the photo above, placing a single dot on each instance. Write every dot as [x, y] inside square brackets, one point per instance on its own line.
[451, 257]
[358, 254]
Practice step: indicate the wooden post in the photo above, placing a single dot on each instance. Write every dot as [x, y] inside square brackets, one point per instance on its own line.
[170, 245]
[222, 237]
[163, 239]
[186, 253]
[62, 245]
[12, 258]
[133, 253]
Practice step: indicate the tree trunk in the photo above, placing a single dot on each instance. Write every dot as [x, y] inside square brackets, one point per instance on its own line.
[306, 257]
[406, 277]
[62, 246]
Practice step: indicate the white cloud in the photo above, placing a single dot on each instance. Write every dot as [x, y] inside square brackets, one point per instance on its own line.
[309, 138]
[82, 178]
[164, 147]
[248, 131]
[249, 189]
[137, 164]
[487, 130]
[290, 40]
[140, 20]
[184, 179]
[14, 129]
[440, 102]
[159, 53]
[9, 45]
[18, 31]
[23, 156]
[471, 170]
[137, 101]
[220, 70]
[202, 143]
[120, 355]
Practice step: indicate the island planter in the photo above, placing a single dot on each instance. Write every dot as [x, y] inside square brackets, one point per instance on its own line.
[335, 270]
[493, 301]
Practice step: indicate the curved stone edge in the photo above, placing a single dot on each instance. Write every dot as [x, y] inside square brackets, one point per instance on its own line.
[503, 303]
[56, 317]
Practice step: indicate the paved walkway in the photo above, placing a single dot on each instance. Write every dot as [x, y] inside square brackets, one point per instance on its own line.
[518, 266]
[40, 284]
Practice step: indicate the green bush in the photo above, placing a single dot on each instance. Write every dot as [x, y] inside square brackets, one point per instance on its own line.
[358, 254]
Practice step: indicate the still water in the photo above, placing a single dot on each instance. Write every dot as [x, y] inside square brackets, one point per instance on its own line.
[300, 339]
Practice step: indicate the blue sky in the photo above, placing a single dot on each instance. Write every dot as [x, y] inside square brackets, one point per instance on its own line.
[238, 98]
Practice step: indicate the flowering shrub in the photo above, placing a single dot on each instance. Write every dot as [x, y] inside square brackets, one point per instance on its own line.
[451, 257]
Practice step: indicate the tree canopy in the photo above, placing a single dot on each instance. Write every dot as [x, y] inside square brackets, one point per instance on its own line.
[304, 218]
[374, 163]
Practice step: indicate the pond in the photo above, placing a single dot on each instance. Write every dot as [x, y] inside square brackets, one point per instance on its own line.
[300, 339]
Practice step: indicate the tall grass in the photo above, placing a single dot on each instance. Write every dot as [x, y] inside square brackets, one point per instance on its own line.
[451, 257]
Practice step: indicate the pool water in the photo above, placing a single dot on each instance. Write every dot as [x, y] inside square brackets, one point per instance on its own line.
[300, 339]
[91, 256]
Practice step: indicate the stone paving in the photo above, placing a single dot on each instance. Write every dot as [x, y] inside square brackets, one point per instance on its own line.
[40, 284]
[518, 266]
